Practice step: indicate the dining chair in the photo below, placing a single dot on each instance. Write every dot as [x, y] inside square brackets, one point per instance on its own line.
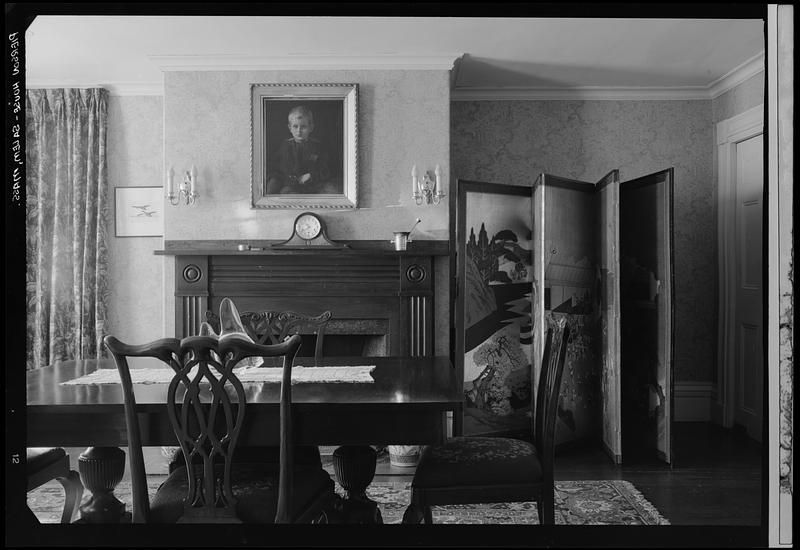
[271, 327]
[44, 464]
[207, 423]
[475, 469]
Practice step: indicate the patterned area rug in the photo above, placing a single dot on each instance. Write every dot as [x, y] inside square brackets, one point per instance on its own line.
[604, 502]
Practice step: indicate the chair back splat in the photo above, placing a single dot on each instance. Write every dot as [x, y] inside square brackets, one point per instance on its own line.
[206, 406]
[272, 327]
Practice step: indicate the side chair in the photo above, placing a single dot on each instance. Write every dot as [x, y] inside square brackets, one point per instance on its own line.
[211, 487]
[272, 327]
[474, 469]
[44, 464]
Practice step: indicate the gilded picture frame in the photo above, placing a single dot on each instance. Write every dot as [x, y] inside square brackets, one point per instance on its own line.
[304, 146]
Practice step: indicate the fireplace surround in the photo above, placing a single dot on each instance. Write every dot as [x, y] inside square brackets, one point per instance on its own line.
[381, 300]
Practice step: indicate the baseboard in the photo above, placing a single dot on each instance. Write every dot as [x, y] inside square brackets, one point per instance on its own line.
[717, 413]
[693, 401]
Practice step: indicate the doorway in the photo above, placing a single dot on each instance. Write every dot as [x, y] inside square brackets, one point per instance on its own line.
[741, 184]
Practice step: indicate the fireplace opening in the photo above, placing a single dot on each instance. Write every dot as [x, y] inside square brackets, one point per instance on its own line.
[346, 345]
[350, 338]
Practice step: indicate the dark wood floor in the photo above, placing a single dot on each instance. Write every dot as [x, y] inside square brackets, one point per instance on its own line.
[715, 478]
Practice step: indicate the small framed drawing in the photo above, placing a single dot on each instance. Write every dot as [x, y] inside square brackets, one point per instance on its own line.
[304, 145]
[139, 211]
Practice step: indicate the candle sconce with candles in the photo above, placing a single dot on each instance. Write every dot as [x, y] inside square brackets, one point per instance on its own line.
[187, 192]
[430, 190]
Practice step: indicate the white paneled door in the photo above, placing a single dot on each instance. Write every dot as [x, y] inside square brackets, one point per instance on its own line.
[748, 348]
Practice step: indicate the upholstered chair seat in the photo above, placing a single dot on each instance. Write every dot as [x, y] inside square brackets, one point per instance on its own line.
[39, 458]
[501, 461]
[255, 486]
[476, 469]
[44, 464]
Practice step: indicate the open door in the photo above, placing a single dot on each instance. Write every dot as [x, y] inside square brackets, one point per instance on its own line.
[646, 267]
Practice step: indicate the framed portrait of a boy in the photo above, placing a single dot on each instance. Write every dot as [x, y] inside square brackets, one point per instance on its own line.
[304, 145]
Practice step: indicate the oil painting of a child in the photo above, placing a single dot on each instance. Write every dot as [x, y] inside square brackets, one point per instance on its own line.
[301, 163]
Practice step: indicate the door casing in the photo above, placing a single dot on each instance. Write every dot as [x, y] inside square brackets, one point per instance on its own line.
[730, 132]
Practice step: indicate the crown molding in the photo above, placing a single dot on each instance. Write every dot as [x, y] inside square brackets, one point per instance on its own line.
[748, 69]
[114, 88]
[168, 63]
[579, 93]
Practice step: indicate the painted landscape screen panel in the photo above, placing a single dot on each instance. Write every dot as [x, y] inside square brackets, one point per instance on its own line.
[497, 313]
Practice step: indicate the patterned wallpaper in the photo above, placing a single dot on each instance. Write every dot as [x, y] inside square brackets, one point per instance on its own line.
[403, 120]
[513, 141]
[135, 156]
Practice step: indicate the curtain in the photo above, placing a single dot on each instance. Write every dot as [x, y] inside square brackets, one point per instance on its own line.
[66, 207]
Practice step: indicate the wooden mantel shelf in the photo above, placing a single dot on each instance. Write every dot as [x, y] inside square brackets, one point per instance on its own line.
[262, 247]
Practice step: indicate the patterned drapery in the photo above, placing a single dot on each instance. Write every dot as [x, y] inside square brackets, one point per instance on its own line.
[66, 207]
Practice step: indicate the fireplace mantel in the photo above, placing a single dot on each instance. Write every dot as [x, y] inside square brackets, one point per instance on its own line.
[370, 281]
[262, 247]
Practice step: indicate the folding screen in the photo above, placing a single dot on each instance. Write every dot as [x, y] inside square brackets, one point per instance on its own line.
[570, 278]
[647, 316]
[594, 246]
[493, 308]
[599, 255]
[609, 300]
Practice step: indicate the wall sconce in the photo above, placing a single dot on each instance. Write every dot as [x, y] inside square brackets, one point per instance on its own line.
[430, 189]
[186, 190]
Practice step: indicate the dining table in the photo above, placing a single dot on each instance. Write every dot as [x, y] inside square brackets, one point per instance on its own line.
[405, 403]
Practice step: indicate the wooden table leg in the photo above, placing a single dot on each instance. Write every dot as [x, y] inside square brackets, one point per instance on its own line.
[354, 466]
[101, 469]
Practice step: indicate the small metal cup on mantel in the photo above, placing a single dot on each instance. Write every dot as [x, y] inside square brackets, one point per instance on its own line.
[402, 238]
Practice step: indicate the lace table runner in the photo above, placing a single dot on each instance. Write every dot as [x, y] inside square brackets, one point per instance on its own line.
[327, 375]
